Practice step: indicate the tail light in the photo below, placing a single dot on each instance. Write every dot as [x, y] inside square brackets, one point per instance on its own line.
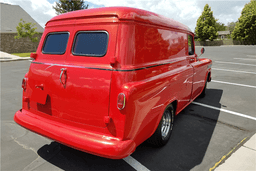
[24, 83]
[121, 101]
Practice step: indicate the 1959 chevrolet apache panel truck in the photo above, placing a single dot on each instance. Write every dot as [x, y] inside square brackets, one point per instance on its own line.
[104, 80]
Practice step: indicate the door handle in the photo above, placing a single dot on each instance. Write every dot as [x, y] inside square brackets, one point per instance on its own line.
[40, 86]
[63, 70]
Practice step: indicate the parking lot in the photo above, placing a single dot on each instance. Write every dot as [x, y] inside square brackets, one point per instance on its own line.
[204, 132]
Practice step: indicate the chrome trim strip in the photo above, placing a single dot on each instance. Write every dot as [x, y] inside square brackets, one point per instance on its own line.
[121, 70]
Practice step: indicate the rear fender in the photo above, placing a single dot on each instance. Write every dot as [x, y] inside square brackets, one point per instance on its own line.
[209, 77]
[174, 102]
[208, 63]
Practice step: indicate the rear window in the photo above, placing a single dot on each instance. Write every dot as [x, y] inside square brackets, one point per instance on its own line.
[91, 43]
[55, 43]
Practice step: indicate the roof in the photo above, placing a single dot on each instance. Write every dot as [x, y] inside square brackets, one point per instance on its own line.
[10, 18]
[223, 32]
[124, 13]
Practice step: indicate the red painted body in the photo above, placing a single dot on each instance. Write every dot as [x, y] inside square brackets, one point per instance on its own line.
[73, 99]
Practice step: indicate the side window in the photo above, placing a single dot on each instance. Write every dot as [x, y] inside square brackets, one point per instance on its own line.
[191, 50]
[55, 43]
[91, 43]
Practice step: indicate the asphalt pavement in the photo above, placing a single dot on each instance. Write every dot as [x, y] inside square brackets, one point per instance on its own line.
[214, 133]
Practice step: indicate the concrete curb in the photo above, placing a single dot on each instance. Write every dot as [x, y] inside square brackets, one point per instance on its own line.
[236, 45]
[9, 59]
[6, 57]
[227, 46]
[242, 159]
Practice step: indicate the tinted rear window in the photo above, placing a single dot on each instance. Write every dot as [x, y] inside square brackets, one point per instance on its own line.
[91, 44]
[56, 43]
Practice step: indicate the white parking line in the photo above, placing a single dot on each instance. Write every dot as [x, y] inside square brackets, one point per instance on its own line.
[246, 72]
[248, 59]
[135, 164]
[242, 85]
[224, 110]
[234, 63]
[251, 56]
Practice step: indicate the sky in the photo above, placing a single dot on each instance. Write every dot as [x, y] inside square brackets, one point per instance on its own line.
[184, 11]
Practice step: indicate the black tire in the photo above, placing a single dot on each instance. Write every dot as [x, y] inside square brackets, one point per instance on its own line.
[164, 129]
[204, 90]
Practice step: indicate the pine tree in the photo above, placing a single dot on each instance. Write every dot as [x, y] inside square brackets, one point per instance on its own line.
[220, 26]
[206, 25]
[245, 29]
[64, 6]
[231, 26]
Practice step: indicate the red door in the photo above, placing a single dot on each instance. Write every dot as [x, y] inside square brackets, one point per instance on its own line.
[43, 77]
[74, 85]
[199, 77]
[88, 74]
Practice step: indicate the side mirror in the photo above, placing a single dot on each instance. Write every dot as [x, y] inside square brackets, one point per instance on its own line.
[202, 51]
[33, 55]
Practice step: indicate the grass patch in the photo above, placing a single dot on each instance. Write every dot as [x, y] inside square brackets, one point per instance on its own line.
[23, 54]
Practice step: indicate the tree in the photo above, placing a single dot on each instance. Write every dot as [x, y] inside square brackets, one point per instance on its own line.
[220, 26]
[26, 30]
[231, 26]
[245, 29]
[64, 6]
[206, 25]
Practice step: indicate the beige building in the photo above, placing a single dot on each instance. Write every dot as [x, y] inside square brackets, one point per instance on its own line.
[223, 34]
[10, 16]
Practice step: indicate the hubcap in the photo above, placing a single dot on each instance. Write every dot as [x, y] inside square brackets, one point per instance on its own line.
[166, 125]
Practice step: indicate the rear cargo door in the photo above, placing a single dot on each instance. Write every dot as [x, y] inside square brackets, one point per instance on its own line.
[88, 74]
[44, 87]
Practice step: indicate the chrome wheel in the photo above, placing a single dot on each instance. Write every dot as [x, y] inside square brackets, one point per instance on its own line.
[166, 124]
[164, 130]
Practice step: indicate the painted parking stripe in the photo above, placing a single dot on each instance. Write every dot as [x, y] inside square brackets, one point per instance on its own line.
[248, 59]
[242, 85]
[234, 63]
[135, 164]
[246, 72]
[251, 56]
[226, 111]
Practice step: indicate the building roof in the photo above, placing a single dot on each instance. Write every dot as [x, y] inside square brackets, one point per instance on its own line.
[124, 13]
[10, 18]
[223, 32]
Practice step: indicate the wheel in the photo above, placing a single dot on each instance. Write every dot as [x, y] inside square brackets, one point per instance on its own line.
[204, 90]
[164, 129]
